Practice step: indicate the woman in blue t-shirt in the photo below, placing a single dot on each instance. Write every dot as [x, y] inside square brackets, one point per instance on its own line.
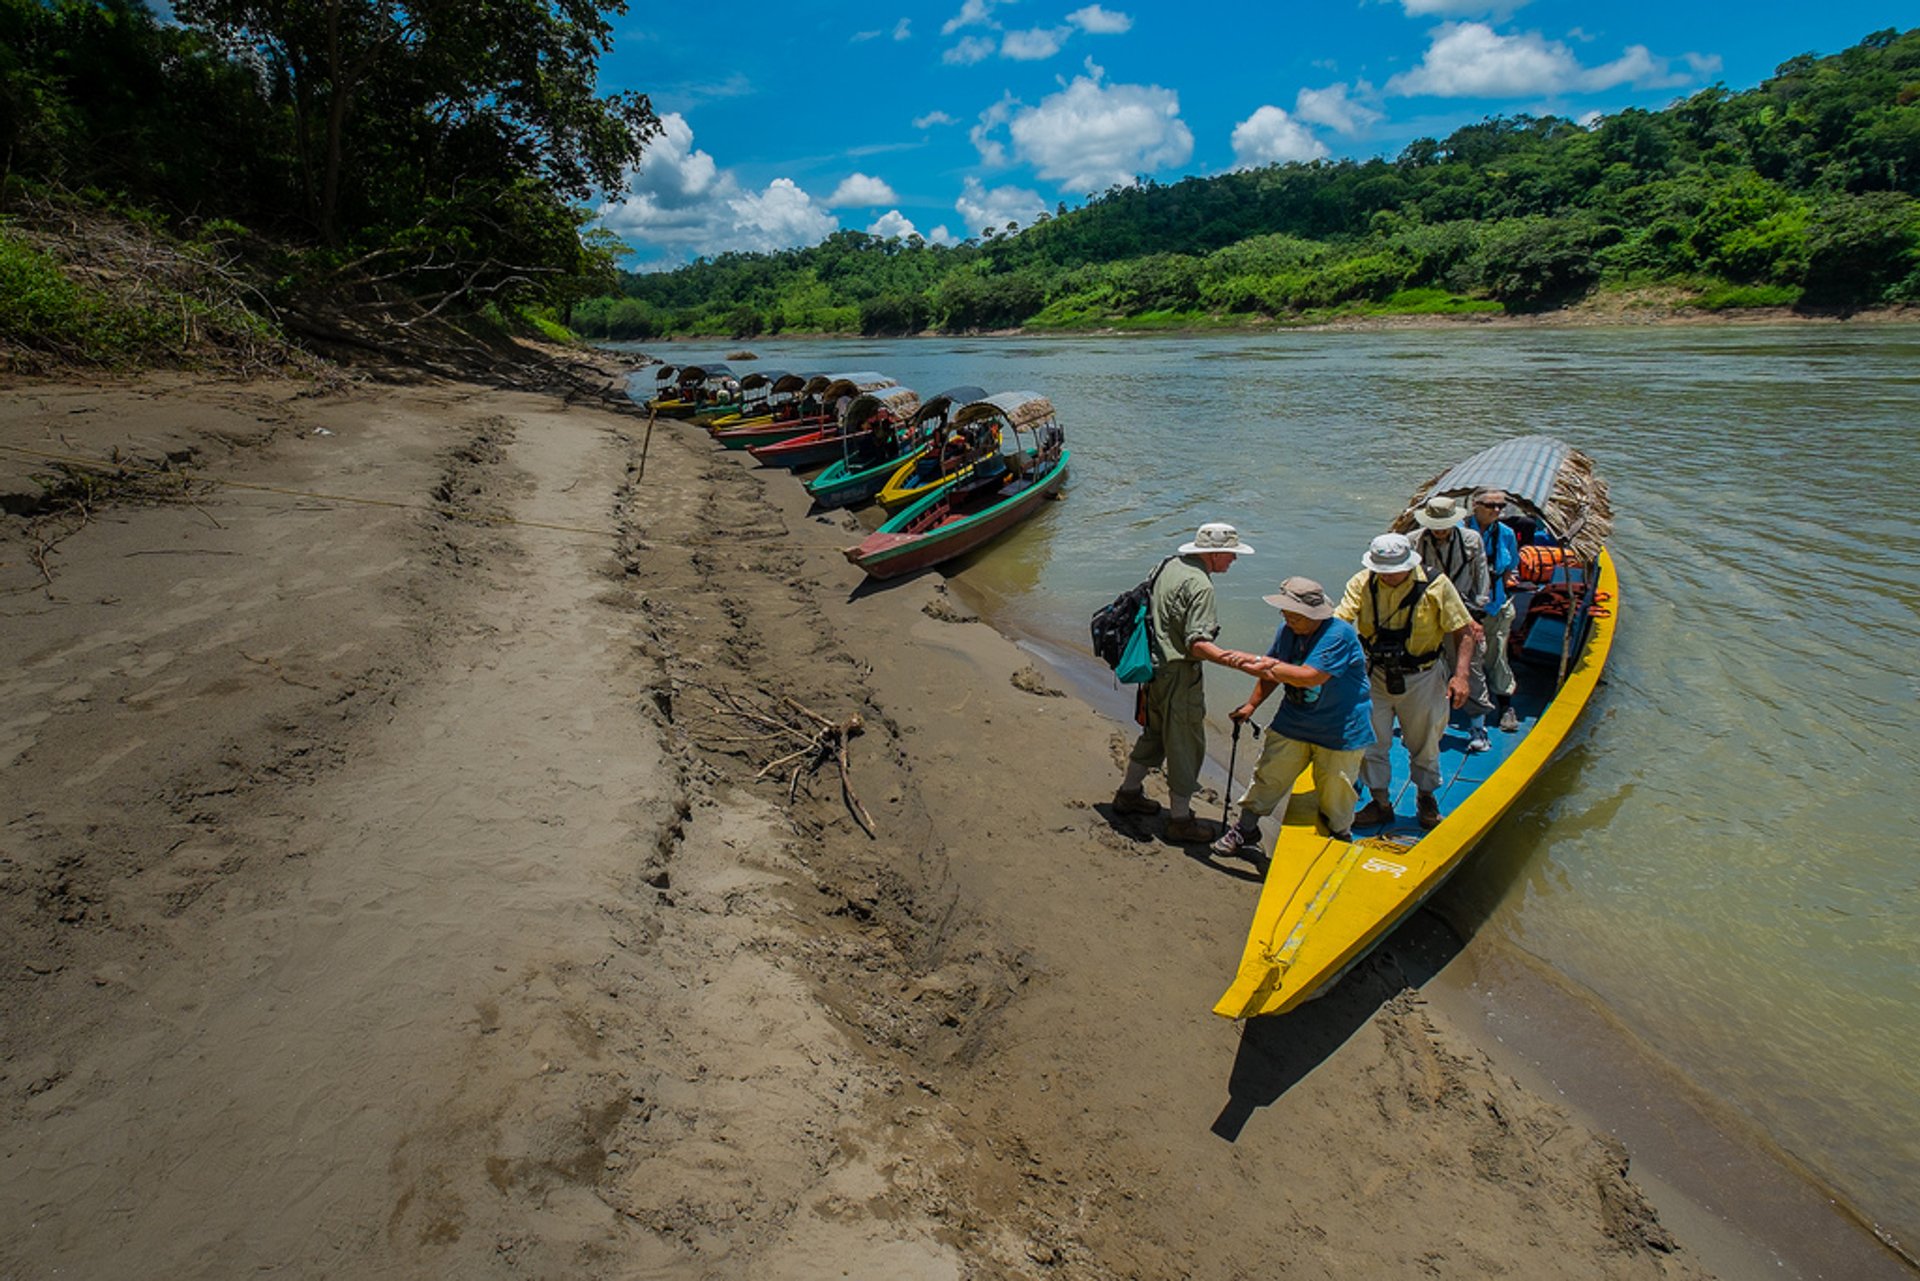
[1325, 717]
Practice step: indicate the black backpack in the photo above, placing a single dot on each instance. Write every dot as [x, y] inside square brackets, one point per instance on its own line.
[1113, 624]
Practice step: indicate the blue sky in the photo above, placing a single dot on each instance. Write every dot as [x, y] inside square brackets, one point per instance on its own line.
[786, 122]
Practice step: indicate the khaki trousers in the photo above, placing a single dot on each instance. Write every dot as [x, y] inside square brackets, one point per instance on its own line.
[1176, 729]
[1422, 712]
[1491, 672]
[1281, 761]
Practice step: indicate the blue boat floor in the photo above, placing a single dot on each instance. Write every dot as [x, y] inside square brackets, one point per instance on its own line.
[1460, 770]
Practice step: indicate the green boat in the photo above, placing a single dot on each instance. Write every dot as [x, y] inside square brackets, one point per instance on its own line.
[857, 477]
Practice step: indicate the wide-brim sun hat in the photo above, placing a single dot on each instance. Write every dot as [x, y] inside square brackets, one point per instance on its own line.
[1302, 596]
[1216, 536]
[1390, 554]
[1442, 511]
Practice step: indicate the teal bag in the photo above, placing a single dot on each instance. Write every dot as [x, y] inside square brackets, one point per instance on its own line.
[1136, 657]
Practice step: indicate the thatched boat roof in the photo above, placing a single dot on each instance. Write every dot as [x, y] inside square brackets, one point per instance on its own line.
[855, 384]
[1025, 410]
[760, 378]
[704, 373]
[901, 402]
[1549, 479]
[938, 406]
[665, 373]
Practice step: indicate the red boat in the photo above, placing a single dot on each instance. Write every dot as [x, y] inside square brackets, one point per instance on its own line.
[883, 410]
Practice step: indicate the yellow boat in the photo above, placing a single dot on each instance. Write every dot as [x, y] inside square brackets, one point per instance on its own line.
[994, 419]
[1327, 902]
[761, 392]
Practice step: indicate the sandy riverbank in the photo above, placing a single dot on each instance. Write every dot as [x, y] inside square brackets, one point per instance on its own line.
[387, 894]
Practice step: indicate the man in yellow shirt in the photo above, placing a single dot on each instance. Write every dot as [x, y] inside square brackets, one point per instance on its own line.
[1404, 618]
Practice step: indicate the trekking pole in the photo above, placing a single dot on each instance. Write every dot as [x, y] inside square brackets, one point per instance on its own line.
[1226, 806]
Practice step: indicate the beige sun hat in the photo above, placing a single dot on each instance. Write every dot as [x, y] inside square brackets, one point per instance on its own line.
[1216, 536]
[1390, 554]
[1442, 511]
[1301, 596]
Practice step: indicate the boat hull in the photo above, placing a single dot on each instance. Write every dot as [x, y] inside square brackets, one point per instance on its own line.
[1326, 903]
[893, 550]
[838, 486]
[770, 434]
[810, 450]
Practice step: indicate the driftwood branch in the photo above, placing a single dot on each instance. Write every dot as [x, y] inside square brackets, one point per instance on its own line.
[806, 745]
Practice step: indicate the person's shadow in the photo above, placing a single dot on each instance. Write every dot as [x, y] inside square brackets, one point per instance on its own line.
[1277, 1051]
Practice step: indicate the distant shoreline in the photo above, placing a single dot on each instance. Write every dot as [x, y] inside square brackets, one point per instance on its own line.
[1587, 315]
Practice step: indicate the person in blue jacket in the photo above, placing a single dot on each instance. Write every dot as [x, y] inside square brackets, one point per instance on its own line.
[1325, 717]
[1495, 676]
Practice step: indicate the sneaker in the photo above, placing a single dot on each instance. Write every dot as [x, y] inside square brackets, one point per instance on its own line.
[1134, 801]
[1235, 839]
[1427, 812]
[1477, 740]
[1345, 834]
[1509, 721]
[1189, 831]
[1377, 813]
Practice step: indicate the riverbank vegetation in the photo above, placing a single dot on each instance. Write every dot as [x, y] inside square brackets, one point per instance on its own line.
[1799, 192]
[350, 174]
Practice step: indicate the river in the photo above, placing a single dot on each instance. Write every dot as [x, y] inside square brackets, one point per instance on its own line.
[1720, 858]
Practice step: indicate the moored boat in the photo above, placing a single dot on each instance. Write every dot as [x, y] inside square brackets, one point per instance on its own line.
[827, 391]
[696, 389]
[1327, 902]
[762, 393]
[867, 414]
[1014, 458]
[856, 479]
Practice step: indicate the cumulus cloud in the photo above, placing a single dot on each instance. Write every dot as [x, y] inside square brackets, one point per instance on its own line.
[1472, 60]
[1096, 21]
[1333, 108]
[974, 13]
[1457, 8]
[970, 50]
[858, 189]
[681, 199]
[1092, 135]
[892, 225]
[992, 151]
[1270, 136]
[1034, 45]
[980, 208]
[941, 236]
[933, 118]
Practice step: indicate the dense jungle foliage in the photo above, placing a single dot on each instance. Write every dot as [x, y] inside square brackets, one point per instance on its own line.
[1800, 191]
[413, 158]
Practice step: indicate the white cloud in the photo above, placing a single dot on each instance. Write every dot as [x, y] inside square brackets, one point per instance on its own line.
[680, 198]
[903, 29]
[970, 50]
[1034, 45]
[892, 225]
[933, 118]
[1091, 135]
[1096, 21]
[860, 36]
[981, 208]
[858, 189]
[992, 151]
[974, 13]
[1333, 108]
[941, 236]
[1456, 8]
[1270, 136]
[1472, 60]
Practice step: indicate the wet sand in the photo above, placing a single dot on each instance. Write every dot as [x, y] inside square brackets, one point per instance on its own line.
[394, 888]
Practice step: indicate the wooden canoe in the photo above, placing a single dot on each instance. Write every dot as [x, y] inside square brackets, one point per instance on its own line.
[943, 525]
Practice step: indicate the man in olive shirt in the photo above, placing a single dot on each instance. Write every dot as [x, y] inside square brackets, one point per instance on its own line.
[1404, 617]
[1184, 624]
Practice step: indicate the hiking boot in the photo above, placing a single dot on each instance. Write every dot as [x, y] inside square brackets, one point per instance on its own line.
[1427, 811]
[1235, 840]
[1344, 834]
[1509, 721]
[1134, 801]
[1376, 813]
[1189, 831]
[1477, 740]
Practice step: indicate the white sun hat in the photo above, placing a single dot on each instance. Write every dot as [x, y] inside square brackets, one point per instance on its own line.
[1390, 554]
[1442, 511]
[1216, 536]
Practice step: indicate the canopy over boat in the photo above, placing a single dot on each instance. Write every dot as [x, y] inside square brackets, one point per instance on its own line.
[817, 384]
[762, 377]
[691, 374]
[853, 384]
[786, 384]
[665, 373]
[943, 404]
[1552, 481]
[1025, 410]
[901, 402]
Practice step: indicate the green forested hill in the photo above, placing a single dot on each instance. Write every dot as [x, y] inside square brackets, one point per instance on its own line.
[1802, 190]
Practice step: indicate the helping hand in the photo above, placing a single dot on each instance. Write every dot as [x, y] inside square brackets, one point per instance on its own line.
[1457, 692]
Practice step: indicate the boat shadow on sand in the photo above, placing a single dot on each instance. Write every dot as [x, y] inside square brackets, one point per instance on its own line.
[1276, 1053]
